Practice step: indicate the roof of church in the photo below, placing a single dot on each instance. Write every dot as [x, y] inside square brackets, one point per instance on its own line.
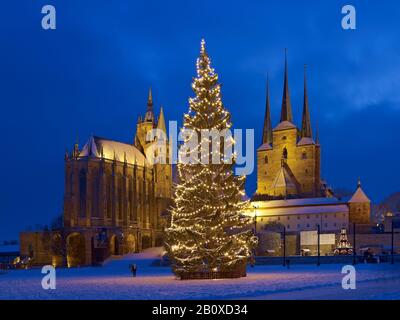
[359, 196]
[283, 180]
[265, 146]
[305, 141]
[284, 125]
[113, 150]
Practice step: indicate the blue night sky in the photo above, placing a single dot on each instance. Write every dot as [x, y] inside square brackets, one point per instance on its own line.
[91, 75]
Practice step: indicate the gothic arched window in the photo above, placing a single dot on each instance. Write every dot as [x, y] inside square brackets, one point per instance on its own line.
[284, 153]
[109, 196]
[82, 193]
[95, 195]
[266, 159]
[304, 155]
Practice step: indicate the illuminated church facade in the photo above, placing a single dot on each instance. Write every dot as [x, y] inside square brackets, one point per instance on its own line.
[290, 191]
[115, 197]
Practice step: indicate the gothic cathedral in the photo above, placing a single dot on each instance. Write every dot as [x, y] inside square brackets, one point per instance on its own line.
[115, 199]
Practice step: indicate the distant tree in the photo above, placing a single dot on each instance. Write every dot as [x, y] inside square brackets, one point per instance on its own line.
[55, 240]
[378, 212]
[57, 223]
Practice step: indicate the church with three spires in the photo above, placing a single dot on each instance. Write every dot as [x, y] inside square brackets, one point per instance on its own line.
[290, 190]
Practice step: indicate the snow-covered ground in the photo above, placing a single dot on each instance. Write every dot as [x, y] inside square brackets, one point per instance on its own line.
[114, 281]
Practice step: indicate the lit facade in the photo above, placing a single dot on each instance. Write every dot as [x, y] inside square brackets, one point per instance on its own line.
[290, 191]
[114, 198]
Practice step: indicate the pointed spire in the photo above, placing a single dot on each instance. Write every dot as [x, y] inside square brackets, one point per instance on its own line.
[267, 129]
[286, 112]
[149, 116]
[161, 121]
[316, 133]
[150, 100]
[66, 157]
[306, 131]
[359, 183]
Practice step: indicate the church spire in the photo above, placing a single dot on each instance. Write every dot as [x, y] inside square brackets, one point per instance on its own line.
[306, 131]
[286, 112]
[267, 130]
[149, 112]
[150, 100]
[161, 121]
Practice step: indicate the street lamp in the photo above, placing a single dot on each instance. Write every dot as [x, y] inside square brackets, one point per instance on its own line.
[255, 218]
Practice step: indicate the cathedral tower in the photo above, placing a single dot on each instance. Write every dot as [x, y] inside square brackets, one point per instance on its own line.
[145, 124]
[288, 159]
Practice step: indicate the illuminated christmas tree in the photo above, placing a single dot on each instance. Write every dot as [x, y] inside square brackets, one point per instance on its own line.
[208, 233]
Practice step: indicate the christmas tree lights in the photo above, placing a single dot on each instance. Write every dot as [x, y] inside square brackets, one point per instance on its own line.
[208, 233]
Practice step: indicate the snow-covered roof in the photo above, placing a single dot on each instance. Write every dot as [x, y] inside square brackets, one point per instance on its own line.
[359, 196]
[284, 125]
[340, 208]
[265, 146]
[321, 201]
[283, 180]
[305, 141]
[112, 148]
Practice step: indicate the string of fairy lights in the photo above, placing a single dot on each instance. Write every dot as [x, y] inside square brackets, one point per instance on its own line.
[207, 229]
